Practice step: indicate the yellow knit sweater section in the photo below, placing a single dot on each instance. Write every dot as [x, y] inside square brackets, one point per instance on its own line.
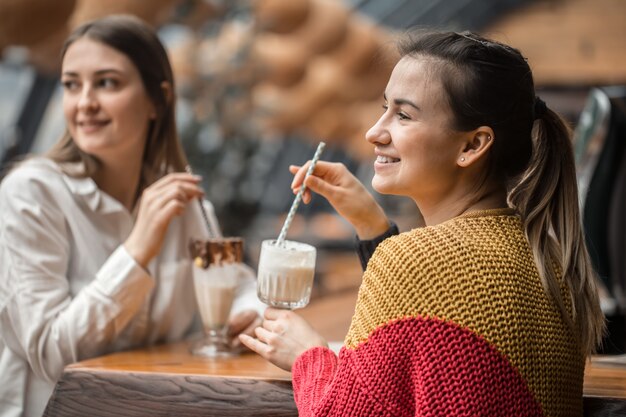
[478, 272]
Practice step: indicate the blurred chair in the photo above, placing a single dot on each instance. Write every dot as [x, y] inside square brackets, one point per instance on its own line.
[600, 149]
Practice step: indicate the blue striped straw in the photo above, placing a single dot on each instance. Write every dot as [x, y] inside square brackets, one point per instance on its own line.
[296, 201]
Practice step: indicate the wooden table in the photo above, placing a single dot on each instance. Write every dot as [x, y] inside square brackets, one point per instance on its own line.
[605, 386]
[169, 381]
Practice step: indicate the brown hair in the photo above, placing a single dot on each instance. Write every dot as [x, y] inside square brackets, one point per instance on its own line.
[138, 41]
[488, 83]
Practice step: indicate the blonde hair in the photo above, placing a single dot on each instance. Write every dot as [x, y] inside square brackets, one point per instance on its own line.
[547, 197]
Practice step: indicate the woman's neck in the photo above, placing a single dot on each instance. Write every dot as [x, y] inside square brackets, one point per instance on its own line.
[120, 180]
[489, 198]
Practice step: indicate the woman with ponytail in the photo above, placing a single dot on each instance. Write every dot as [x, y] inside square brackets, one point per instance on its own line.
[491, 309]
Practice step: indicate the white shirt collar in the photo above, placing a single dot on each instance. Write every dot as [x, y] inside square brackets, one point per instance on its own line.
[86, 189]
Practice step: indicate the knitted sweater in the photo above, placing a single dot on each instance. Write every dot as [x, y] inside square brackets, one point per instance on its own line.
[451, 320]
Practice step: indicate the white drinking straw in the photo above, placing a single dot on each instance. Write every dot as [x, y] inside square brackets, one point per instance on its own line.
[202, 210]
[296, 201]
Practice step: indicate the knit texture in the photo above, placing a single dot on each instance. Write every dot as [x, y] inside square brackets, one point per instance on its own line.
[450, 320]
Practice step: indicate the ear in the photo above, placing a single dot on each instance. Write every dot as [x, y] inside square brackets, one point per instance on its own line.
[167, 93]
[477, 143]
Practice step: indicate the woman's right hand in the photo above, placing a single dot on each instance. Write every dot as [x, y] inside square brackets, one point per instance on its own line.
[158, 205]
[345, 193]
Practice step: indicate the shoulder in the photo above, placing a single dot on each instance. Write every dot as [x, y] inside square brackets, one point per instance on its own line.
[32, 170]
[36, 177]
[440, 248]
[453, 235]
[414, 247]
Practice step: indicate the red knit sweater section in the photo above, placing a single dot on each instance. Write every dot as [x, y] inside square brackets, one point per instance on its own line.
[412, 367]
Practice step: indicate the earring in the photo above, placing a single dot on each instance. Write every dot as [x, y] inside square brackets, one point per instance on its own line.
[462, 159]
[488, 137]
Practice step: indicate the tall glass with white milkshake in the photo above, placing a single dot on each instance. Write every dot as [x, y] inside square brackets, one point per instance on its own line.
[285, 276]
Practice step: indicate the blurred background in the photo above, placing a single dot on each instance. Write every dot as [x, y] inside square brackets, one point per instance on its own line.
[261, 82]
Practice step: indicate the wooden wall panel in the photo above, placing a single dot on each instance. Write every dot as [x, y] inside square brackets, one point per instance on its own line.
[569, 42]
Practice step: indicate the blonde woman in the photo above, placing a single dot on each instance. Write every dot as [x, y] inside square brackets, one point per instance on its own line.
[94, 235]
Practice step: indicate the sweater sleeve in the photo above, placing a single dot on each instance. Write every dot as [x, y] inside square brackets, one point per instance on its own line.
[313, 373]
[325, 385]
[365, 248]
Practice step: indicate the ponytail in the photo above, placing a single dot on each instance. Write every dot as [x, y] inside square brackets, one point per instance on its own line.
[546, 197]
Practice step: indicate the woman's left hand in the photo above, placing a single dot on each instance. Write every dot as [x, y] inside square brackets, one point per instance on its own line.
[283, 337]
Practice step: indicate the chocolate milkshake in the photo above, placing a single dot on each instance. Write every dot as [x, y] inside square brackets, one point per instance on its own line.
[215, 276]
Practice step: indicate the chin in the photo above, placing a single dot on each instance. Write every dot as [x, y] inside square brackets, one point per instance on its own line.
[382, 187]
[388, 188]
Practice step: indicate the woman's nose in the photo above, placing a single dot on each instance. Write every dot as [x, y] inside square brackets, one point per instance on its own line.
[378, 133]
[87, 100]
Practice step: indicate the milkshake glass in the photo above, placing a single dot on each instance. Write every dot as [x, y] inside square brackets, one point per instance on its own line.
[285, 276]
[216, 277]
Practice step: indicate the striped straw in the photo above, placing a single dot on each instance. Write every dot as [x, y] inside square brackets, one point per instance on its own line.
[296, 201]
[202, 210]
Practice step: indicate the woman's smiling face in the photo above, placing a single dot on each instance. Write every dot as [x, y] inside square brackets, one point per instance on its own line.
[106, 106]
[416, 148]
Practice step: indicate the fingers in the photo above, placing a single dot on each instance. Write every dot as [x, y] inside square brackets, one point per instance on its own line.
[276, 313]
[181, 191]
[328, 173]
[324, 177]
[274, 326]
[299, 174]
[265, 335]
[176, 177]
[320, 186]
[169, 196]
[255, 345]
[282, 338]
[262, 344]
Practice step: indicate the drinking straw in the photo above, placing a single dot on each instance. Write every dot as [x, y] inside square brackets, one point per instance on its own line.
[296, 201]
[202, 210]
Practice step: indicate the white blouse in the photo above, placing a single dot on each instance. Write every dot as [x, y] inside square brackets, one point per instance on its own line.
[70, 291]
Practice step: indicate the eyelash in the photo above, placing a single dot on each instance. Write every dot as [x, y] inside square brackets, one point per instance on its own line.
[68, 84]
[110, 81]
[104, 83]
[401, 115]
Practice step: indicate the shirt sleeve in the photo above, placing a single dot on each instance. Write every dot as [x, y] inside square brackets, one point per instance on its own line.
[39, 319]
[365, 248]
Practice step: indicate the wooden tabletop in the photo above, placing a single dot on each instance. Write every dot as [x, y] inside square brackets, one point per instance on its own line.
[170, 381]
[177, 359]
[605, 376]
